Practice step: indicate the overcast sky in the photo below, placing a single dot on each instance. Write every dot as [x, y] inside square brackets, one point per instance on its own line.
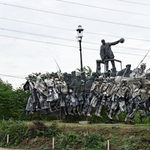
[34, 32]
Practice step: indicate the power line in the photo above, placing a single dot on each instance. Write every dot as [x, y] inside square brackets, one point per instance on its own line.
[135, 2]
[65, 38]
[48, 26]
[64, 45]
[37, 24]
[97, 20]
[98, 7]
[36, 34]
[11, 76]
[39, 41]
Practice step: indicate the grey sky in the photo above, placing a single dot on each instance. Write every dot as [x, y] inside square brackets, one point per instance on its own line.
[22, 57]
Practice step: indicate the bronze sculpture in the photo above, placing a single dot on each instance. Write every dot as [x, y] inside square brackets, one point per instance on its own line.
[107, 53]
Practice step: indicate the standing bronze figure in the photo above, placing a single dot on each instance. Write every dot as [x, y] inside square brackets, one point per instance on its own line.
[107, 53]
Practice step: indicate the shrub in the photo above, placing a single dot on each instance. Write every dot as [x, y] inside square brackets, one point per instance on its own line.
[93, 141]
[67, 141]
[16, 131]
[40, 129]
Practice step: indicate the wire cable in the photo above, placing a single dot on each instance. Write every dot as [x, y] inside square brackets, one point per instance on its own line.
[48, 26]
[64, 45]
[36, 34]
[98, 7]
[135, 2]
[11, 76]
[85, 18]
[66, 38]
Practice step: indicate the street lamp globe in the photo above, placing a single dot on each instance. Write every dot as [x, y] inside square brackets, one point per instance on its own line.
[79, 32]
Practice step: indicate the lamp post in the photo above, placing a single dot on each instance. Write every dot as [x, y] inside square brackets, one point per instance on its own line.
[79, 37]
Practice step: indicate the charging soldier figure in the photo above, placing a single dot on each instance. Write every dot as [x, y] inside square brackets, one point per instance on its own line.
[144, 97]
[95, 95]
[41, 92]
[50, 88]
[99, 96]
[31, 104]
[109, 93]
[87, 93]
[105, 90]
[122, 96]
[77, 86]
[139, 72]
[73, 92]
[133, 100]
[62, 86]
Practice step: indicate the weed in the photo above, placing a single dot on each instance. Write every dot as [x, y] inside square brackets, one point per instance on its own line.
[27, 147]
[40, 129]
[145, 138]
[81, 134]
[36, 129]
[36, 139]
[16, 132]
[68, 141]
[53, 130]
[115, 141]
[129, 143]
[93, 141]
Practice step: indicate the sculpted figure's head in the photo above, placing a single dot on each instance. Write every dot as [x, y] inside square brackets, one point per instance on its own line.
[73, 73]
[78, 77]
[48, 75]
[124, 82]
[30, 76]
[112, 79]
[103, 41]
[128, 66]
[38, 78]
[101, 79]
[143, 66]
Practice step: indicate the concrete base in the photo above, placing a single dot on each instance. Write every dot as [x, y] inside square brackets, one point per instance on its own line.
[58, 121]
[84, 122]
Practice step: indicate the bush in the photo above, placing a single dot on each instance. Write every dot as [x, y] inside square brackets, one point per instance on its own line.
[144, 120]
[53, 130]
[40, 129]
[93, 141]
[67, 141]
[16, 131]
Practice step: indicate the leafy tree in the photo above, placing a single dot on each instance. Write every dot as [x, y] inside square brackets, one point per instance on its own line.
[87, 70]
[12, 102]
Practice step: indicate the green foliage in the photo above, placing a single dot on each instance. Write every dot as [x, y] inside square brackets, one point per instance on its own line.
[12, 102]
[93, 141]
[119, 138]
[145, 138]
[40, 129]
[67, 141]
[129, 143]
[16, 131]
[36, 139]
[53, 130]
[144, 120]
[43, 76]
[87, 70]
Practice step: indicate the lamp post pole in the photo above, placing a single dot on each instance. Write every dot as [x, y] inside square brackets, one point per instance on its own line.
[79, 37]
[80, 49]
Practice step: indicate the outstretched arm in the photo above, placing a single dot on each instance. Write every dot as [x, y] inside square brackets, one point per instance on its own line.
[114, 43]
